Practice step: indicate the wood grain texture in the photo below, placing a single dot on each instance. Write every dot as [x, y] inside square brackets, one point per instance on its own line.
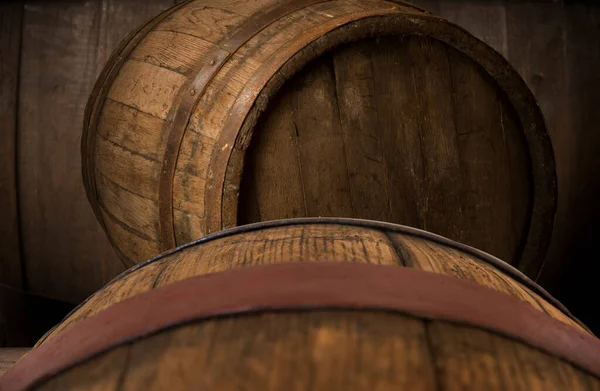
[544, 42]
[10, 38]
[436, 180]
[317, 350]
[467, 358]
[9, 356]
[309, 242]
[487, 20]
[321, 147]
[456, 165]
[98, 377]
[60, 236]
[287, 192]
[336, 142]
[211, 110]
[355, 92]
[542, 63]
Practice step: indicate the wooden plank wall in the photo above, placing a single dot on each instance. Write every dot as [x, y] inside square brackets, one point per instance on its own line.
[52, 51]
[50, 55]
[10, 38]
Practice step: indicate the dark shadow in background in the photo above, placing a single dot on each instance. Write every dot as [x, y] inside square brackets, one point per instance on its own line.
[25, 318]
[577, 283]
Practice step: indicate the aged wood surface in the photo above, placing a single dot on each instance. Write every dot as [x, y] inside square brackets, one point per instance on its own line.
[467, 170]
[542, 63]
[10, 37]
[487, 20]
[318, 350]
[9, 356]
[275, 292]
[298, 243]
[475, 359]
[61, 241]
[166, 138]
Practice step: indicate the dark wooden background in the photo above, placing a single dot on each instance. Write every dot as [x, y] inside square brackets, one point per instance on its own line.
[52, 51]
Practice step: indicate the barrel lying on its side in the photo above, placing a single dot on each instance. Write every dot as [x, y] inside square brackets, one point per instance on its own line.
[319, 326]
[330, 240]
[220, 113]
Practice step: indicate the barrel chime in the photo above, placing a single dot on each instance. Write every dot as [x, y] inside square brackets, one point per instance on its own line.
[251, 161]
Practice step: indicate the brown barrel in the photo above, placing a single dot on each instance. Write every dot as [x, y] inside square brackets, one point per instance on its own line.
[324, 240]
[317, 326]
[221, 113]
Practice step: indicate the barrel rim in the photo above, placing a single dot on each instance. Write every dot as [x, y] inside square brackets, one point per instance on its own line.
[504, 267]
[225, 179]
[307, 286]
[540, 228]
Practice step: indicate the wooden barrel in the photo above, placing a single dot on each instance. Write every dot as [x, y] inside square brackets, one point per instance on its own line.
[317, 326]
[327, 240]
[220, 113]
